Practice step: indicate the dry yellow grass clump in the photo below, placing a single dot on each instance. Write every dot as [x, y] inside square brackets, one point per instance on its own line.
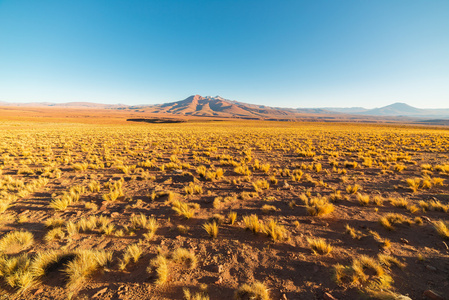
[211, 229]
[319, 246]
[86, 263]
[442, 229]
[161, 263]
[319, 206]
[16, 241]
[256, 291]
[187, 210]
[366, 272]
[132, 253]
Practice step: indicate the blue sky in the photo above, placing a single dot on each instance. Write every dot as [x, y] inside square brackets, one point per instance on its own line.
[279, 53]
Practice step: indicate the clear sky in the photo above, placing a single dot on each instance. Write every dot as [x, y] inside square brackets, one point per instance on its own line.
[280, 53]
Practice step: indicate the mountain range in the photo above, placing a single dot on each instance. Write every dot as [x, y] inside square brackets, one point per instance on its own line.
[397, 110]
[217, 106]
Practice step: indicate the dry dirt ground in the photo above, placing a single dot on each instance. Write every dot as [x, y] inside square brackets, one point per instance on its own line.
[285, 172]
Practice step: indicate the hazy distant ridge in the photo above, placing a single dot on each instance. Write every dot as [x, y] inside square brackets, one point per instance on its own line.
[396, 110]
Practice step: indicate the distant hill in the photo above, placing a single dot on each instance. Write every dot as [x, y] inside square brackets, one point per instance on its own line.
[346, 110]
[405, 110]
[219, 107]
[393, 110]
[66, 104]
[396, 109]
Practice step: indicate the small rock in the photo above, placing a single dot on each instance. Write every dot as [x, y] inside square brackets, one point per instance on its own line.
[429, 294]
[217, 268]
[219, 280]
[430, 268]
[115, 215]
[100, 292]
[384, 251]
[38, 291]
[328, 296]
[404, 241]
[123, 288]
[427, 219]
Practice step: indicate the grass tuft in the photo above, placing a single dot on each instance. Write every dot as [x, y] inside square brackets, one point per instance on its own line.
[442, 229]
[275, 231]
[85, 264]
[160, 264]
[185, 257]
[319, 206]
[211, 229]
[55, 234]
[232, 217]
[252, 223]
[16, 241]
[319, 246]
[355, 234]
[196, 296]
[253, 291]
[17, 272]
[132, 253]
[183, 209]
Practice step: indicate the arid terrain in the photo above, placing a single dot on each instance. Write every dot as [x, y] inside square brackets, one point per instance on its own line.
[96, 207]
[199, 107]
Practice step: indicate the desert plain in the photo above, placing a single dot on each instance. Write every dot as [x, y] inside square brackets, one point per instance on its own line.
[97, 207]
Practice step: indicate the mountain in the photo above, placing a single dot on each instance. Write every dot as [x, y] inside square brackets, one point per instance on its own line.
[404, 110]
[396, 109]
[219, 107]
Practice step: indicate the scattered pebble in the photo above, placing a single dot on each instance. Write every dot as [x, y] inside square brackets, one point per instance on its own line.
[431, 295]
[38, 291]
[328, 296]
[430, 268]
[405, 241]
[218, 268]
[427, 219]
[100, 292]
